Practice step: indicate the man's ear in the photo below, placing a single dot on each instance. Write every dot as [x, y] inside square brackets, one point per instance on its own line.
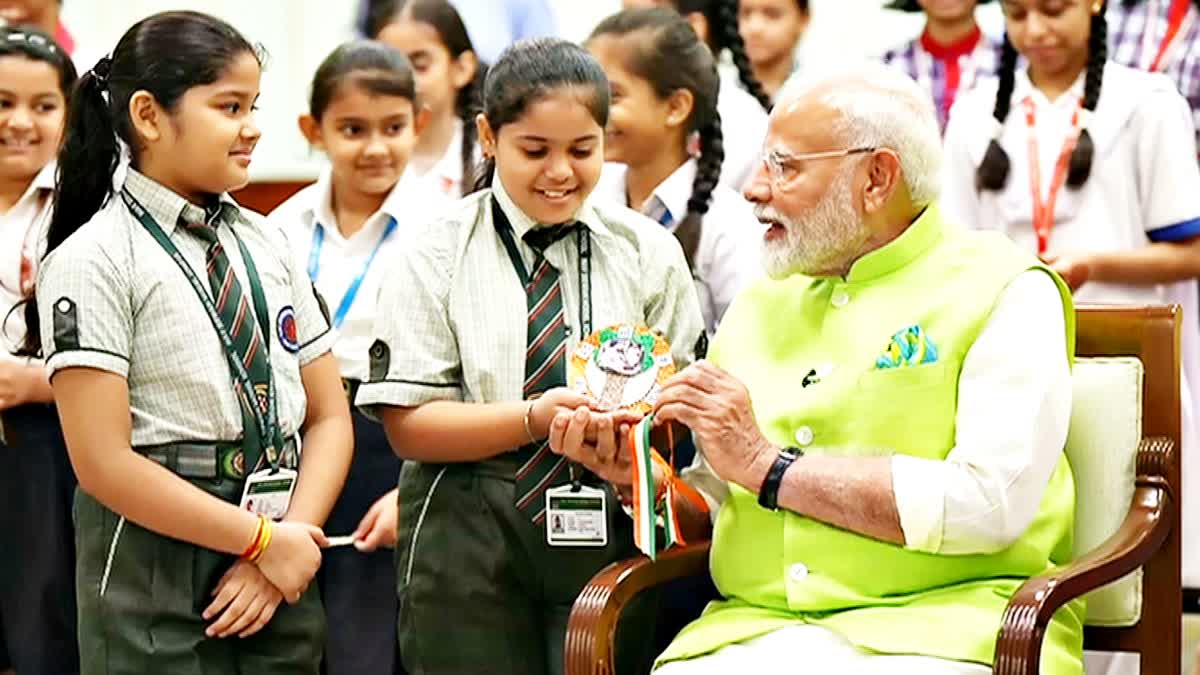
[884, 175]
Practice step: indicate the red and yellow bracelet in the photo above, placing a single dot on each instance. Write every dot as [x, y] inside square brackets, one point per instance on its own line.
[262, 538]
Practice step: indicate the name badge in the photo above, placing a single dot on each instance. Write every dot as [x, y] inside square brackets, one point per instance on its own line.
[269, 493]
[576, 517]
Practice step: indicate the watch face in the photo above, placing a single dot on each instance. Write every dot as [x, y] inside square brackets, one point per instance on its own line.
[622, 366]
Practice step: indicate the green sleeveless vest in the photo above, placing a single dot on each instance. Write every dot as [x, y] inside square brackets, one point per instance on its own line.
[778, 568]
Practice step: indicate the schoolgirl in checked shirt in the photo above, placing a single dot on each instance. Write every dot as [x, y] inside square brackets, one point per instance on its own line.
[950, 56]
[188, 355]
[475, 324]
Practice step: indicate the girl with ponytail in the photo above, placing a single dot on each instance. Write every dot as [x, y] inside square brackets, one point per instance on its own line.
[665, 85]
[449, 83]
[742, 101]
[1091, 165]
[187, 354]
[476, 322]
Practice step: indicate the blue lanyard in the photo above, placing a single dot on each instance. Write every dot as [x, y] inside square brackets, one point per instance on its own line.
[666, 217]
[314, 268]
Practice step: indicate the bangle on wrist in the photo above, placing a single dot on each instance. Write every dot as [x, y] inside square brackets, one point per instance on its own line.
[262, 538]
[768, 494]
[528, 426]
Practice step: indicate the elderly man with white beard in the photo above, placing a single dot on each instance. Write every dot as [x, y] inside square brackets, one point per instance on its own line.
[880, 420]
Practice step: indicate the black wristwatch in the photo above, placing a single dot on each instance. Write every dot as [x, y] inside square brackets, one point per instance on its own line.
[768, 494]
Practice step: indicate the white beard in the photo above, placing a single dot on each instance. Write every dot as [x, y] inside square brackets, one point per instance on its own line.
[824, 238]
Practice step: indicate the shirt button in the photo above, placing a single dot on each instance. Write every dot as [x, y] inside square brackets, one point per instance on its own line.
[841, 299]
[798, 572]
[804, 436]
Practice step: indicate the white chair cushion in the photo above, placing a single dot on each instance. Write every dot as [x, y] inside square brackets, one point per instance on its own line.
[1106, 427]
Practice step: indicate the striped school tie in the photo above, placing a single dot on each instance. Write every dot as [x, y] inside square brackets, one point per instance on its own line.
[239, 319]
[545, 368]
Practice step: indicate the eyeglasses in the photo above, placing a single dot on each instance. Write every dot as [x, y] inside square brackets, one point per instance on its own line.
[783, 167]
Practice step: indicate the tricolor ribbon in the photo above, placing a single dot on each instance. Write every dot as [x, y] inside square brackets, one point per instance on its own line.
[647, 492]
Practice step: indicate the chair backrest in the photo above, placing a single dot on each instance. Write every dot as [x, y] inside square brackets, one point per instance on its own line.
[1127, 387]
[1106, 429]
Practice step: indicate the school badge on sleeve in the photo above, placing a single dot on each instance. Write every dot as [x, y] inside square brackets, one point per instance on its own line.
[285, 327]
[622, 366]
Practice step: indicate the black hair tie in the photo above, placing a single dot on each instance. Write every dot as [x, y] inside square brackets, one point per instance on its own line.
[101, 70]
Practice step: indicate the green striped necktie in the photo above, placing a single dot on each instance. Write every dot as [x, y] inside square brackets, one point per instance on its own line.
[545, 368]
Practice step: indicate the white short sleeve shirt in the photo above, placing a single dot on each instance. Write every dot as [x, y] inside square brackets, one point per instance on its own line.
[23, 231]
[728, 255]
[1142, 189]
[335, 262]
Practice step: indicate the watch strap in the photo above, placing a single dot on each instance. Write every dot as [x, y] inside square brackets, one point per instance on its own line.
[768, 494]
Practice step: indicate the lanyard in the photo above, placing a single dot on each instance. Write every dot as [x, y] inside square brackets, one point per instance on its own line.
[269, 435]
[314, 268]
[583, 245]
[1043, 209]
[1180, 20]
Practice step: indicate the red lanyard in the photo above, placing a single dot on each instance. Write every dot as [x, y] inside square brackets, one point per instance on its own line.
[1043, 209]
[1176, 13]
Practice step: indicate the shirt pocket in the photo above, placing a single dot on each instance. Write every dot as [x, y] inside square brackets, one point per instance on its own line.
[920, 400]
[897, 380]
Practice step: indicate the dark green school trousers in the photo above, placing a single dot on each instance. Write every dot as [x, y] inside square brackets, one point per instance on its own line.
[141, 596]
[480, 590]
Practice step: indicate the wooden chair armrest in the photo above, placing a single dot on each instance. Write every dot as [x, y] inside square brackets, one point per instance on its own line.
[1141, 534]
[592, 626]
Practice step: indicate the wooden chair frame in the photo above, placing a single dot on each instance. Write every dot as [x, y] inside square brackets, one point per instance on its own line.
[1147, 538]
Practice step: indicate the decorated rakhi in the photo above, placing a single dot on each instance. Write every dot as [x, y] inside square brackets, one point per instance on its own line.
[622, 366]
[649, 494]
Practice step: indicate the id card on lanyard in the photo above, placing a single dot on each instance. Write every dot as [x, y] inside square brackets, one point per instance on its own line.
[1043, 207]
[351, 294]
[261, 431]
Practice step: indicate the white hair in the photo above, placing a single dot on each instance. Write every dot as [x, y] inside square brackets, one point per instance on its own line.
[880, 107]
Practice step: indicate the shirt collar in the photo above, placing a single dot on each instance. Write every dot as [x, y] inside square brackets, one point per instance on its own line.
[397, 200]
[676, 190]
[924, 232]
[522, 223]
[168, 208]
[44, 180]
[42, 183]
[951, 51]
[673, 193]
[1023, 86]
